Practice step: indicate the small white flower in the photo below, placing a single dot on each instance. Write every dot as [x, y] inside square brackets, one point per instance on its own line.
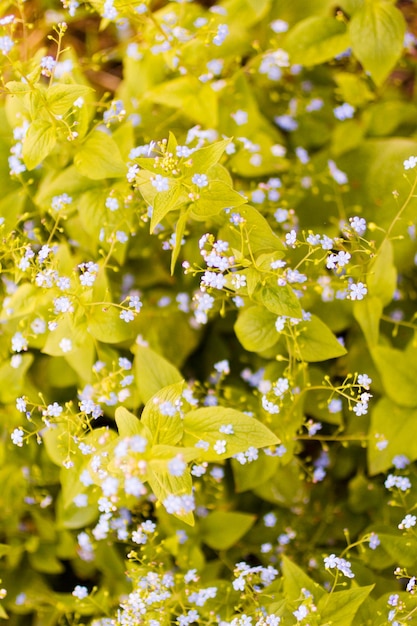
[291, 238]
[81, 500]
[161, 183]
[410, 163]
[19, 343]
[408, 522]
[358, 224]
[127, 316]
[80, 592]
[177, 466]
[220, 446]
[200, 180]
[357, 291]
[17, 437]
[65, 345]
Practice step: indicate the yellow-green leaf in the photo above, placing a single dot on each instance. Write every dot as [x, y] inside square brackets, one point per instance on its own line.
[316, 342]
[316, 39]
[61, 97]
[39, 142]
[99, 157]
[203, 425]
[377, 37]
[162, 417]
[222, 529]
[255, 328]
[153, 372]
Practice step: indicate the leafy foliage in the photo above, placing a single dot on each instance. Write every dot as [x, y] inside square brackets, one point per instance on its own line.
[208, 354]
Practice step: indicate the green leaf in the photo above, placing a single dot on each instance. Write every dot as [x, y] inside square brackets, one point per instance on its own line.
[164, 202]
[164, 484]
[255, 473]
[377, 169]
[353, 89]
[179, 232]
[17, 88]
[339, 608]
[67, 328]
[12, 208]
[316, 342]
[165, 427]
[221, 530]
[216, 197]
[56, 443]
[153, 372]
[295, 580]
[45, 560]
[99, 157]
[382, 274]
[13, 381]
[204, 158]
[82, 358]
[255, 328]
[389, 118]
[351, 6]
[172, 143]
[377, 32]
[92, 211]
[402, 548]
[128, 424]
[161, 453]
[347, 136]
[105, 324]
[56, 180]
[398, 371]
[395, 424]
[39, 142]
[61, 97]
[286, 487]
[278, 299]
[156, 324]
[186, 93]
[256, 235]
[24, 301]
[316, 40]
[204, 425]
[367, 313]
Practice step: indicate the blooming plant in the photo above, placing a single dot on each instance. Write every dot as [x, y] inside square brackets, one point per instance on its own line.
[208, 348]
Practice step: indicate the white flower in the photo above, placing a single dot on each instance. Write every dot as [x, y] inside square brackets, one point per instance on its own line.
[80, 592]
[358, 224]
[410, 163]
[220, 446]
[200, 180]
[19, 343]
[338, 176]
[408, 522]
[357, 291]
[127, 316]
[222, 32]
[177, 466]
[81, 500]
[344, 112]
[291, 238]
[222, 367]
[161, 183]
[6, 44]
[227, 429]
[17, 437]
[65, 345]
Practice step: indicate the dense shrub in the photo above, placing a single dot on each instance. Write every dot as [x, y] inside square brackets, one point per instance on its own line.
[208, 356]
